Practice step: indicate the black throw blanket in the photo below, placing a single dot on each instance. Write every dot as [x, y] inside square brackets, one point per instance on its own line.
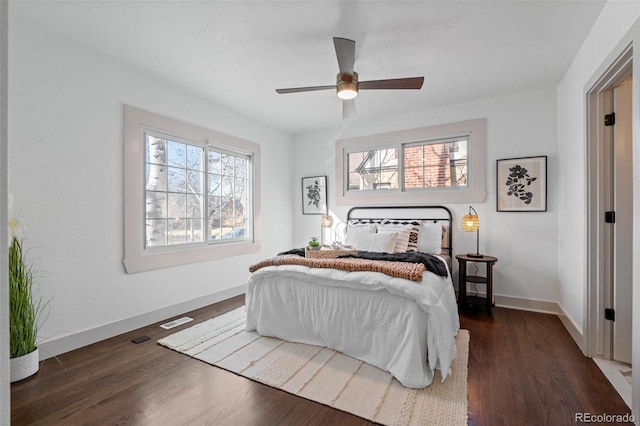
[298, 251]
[430, 262]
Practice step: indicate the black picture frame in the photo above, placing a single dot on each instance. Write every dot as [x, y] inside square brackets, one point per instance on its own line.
[314, 195]
[521, 184]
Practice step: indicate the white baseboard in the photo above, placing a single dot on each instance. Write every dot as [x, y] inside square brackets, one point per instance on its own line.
[64, 344]
[543, 306]
[573, 329]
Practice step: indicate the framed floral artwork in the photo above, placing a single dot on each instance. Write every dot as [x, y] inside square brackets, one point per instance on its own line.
[521, 184]
[314, 195]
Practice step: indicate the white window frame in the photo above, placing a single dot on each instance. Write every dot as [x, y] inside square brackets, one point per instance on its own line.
[137, 257]
[474, 192]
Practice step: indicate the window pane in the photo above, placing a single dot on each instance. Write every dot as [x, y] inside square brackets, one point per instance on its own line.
[156, 205]
[227, 165]
[375, 169]
[177, 231]
[177, 206]
[194, 157]
[227, 187]
[240, 188]
[215, 162]
[156, 230]
[177, 180]
[156, 150]
[241, 167]
[436, 165]
[194, 182]
[156, 177]
[194, 206]
[176, 154]
[194, 230]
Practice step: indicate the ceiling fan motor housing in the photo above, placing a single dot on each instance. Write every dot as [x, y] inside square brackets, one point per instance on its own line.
[347, 85]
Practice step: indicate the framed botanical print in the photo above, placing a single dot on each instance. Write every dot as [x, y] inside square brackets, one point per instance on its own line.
[521, 184]
[314, 195]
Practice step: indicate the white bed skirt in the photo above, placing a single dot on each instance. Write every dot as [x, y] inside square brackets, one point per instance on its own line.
[387, 330]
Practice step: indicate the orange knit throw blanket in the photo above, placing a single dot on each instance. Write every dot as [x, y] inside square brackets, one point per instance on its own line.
[409, 271]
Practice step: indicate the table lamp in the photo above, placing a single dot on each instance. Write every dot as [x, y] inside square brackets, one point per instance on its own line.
[327, 222]
[470, 223]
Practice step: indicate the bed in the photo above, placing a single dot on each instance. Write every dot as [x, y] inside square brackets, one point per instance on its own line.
[404, 326]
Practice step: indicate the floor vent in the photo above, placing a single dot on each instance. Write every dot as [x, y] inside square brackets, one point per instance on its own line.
[176, 322]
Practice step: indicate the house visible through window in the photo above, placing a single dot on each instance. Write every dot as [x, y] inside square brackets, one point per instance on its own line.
[439, 164]
[373, 169]
[425, 165]
[444, 163]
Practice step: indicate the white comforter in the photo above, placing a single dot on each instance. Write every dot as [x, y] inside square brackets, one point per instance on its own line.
[404, 327]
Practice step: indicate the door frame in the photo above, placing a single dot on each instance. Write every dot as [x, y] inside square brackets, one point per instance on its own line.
[598, 333]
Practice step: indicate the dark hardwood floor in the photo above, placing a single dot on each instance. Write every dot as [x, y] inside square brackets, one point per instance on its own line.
[523, 369]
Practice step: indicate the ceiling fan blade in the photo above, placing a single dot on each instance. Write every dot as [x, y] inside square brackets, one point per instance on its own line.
[348, 108]
[305, 89]
[346, 53]
[393, 83]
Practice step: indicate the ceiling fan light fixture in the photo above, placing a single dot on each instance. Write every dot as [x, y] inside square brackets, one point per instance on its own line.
[347, 86]
[347, 92]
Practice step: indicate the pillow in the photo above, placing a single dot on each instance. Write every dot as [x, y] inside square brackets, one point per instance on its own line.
[413, 235]
[379, 242]
[356, 232]
[403, 231]
[430, 238]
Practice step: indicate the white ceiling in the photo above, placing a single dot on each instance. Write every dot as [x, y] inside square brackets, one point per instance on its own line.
[237, 53]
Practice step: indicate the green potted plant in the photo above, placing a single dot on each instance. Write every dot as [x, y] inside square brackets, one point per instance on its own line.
[314, 244]
[23, 310]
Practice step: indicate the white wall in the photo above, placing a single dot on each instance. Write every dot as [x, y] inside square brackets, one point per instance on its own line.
[66, 175]
[616, 20]
[517, 126]
[617, 24]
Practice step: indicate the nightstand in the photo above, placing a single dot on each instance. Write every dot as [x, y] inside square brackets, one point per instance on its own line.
[487, 279]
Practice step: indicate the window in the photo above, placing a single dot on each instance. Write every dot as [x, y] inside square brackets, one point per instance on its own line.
[177, 192]
[195, 201]
[373, 169]
[437, 164]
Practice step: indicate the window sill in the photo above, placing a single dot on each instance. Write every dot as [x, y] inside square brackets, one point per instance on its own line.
[150, 260]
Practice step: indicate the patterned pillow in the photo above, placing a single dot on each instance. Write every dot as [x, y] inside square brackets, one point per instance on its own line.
[356, 222]
[413, 234]
[404, 235]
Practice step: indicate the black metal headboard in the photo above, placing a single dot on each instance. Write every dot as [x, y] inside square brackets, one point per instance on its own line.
[437, 214]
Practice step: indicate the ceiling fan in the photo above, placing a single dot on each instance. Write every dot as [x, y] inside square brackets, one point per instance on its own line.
[347, 85]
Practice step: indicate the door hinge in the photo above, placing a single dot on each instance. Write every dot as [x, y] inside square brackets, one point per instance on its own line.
[610, 314]
[610, 217]
[610, 119]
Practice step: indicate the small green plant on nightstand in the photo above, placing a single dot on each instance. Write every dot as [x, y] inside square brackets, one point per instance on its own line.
[314, 244]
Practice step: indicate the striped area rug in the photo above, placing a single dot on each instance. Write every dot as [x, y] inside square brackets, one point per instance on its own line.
[326, 376]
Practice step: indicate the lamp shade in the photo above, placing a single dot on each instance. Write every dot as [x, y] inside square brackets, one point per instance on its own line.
[470, 223]
[327, 221]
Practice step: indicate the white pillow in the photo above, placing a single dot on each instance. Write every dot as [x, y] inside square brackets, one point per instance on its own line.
[403, 231]
[380, 242]
[430, 238]
[356, 232]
